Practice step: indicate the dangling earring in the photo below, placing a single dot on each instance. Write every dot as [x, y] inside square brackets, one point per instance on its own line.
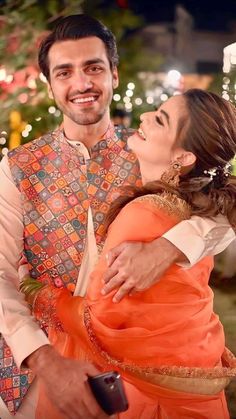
[172, 175]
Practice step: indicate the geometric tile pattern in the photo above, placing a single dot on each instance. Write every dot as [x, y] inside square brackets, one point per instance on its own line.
[13, 382]
[57, 186]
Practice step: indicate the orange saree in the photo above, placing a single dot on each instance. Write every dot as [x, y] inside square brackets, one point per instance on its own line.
[166, 341]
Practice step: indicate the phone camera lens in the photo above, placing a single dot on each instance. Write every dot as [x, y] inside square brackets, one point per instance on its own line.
[107, 380]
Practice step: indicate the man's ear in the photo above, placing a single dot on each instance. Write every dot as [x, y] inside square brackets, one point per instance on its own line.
[115, 78]
[50, 94]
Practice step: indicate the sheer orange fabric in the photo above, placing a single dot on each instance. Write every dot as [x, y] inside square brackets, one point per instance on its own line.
[163, 340]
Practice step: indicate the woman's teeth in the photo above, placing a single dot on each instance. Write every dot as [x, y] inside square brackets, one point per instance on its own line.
[141, 133]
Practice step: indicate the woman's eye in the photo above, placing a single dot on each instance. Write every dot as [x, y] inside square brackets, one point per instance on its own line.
[158, 120]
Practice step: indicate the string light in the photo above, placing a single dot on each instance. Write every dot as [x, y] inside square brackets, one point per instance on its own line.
[9, 78]
[229, 62]
[4, 151]
[25, 134]
[126, 99]
[131, 86]
[32, 84]
[225, 95]
[116, 97]
[164, 97]
[138, 101]
[57, 113]
[51, 109]
[23, 98]
[3, 74]
[128, 106]
[129, 93]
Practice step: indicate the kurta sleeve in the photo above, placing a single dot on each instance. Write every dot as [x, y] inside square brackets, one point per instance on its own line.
[18, 327]
[199, 237]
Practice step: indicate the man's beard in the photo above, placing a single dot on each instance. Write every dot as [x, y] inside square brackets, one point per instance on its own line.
[86, 118]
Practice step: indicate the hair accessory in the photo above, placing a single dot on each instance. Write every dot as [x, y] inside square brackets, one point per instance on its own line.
[218, 175]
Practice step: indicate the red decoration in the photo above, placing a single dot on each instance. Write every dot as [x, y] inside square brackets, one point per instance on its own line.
[123, 4]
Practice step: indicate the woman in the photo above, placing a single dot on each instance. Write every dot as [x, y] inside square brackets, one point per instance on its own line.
[166, 341]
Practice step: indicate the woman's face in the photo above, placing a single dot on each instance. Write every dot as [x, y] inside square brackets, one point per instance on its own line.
[155, 141]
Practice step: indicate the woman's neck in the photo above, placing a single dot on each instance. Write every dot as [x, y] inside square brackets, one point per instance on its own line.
[150, 173]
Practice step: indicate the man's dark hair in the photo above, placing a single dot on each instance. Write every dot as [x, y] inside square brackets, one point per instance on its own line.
[76, 27]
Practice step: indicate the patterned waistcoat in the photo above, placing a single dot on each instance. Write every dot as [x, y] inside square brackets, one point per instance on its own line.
[57, 186]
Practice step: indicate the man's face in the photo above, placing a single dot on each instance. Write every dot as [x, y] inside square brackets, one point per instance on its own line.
[81, 80]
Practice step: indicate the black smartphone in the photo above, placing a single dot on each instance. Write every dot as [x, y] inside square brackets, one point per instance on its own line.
[109, 392]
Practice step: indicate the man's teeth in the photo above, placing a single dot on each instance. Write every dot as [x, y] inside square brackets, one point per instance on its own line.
[84, 99]
[141, 133]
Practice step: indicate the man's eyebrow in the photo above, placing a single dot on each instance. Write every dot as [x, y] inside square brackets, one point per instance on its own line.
[61, 67]
[94, 61]
[69, 65]
[166, 116]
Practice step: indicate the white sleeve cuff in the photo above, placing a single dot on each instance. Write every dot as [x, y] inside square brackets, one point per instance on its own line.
[25, 341]
[199, 237]
[188, 242]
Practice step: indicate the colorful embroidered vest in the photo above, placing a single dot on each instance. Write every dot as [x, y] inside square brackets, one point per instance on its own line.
[57, 186]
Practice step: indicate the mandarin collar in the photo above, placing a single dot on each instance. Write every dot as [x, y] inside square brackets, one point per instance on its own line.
[104, 141]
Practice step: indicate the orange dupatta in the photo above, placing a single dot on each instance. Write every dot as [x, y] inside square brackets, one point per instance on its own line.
[159, 338]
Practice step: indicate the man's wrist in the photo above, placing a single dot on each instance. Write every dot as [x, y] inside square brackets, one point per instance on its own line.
[39, 358]
[175, 255]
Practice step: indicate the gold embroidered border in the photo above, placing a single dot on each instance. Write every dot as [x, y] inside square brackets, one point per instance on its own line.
[173, 371]
[169, 202]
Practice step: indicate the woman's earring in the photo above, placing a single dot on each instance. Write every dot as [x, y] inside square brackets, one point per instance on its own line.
[171, 176]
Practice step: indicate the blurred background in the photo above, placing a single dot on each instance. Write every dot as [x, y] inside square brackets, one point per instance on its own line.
[165, 48]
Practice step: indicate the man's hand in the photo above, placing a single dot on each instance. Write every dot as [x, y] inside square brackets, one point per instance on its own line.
[65, 381]
[136, 266]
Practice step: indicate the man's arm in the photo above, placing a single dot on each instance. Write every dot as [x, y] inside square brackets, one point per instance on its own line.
[199, 237]
[16, 322]
[137, 266]
[66, 383]
[64, 379]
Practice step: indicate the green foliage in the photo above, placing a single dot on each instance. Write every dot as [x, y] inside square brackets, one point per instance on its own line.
[31, 287]
[216, 84]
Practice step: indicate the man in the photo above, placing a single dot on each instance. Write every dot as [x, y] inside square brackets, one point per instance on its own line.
[54, 194]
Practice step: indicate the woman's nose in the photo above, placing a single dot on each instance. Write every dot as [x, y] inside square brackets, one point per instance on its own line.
[146, 116]
[143, 116]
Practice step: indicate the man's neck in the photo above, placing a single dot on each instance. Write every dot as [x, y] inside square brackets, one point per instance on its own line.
[89, 135]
